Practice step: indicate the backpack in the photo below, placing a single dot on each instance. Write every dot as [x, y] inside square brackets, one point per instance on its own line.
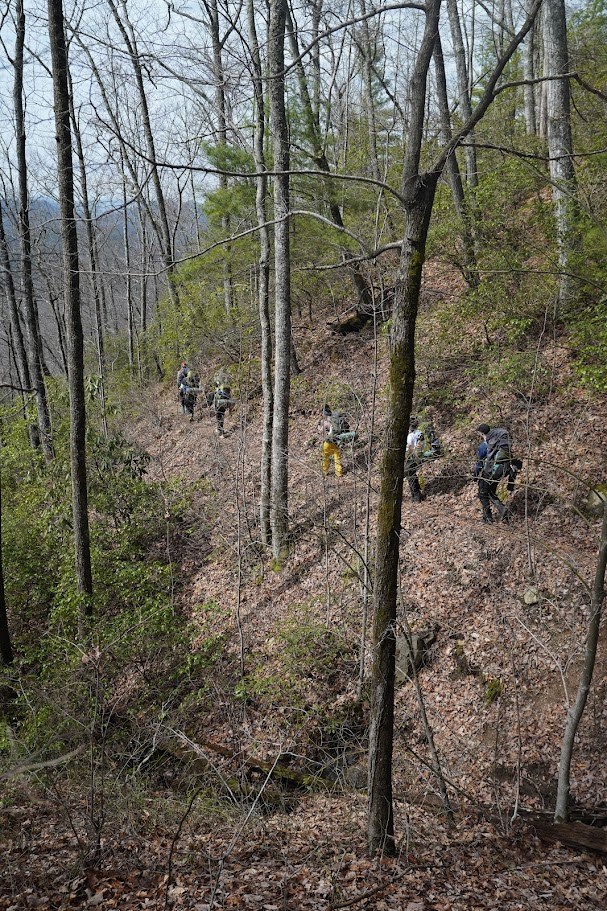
[192, 379]
[432, 447]
[339, 427]
[221, 399]
[498, 461]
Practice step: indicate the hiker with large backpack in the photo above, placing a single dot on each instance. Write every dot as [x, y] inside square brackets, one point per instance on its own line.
[336, 430]
[222, 402]
[494, 462]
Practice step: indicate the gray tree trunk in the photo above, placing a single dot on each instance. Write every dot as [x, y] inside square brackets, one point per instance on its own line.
[128, 36]
[529, 90]
[560, 141]
[75, 347]
[282, 281]
[222, 138]
[465, 106]
[469, 265]
[263, 289]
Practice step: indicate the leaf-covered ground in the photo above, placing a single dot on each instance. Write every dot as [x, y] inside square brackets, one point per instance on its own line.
[508, 605]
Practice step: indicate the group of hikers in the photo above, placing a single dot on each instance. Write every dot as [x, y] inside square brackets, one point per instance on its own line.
[189, 388]
[495, 461]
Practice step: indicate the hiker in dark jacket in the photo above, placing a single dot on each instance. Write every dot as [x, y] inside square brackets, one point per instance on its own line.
[493, 462]
[222, 402]
[181, 375]
[189, 389]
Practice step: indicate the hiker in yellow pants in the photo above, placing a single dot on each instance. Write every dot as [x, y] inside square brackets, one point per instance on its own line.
[330, 449]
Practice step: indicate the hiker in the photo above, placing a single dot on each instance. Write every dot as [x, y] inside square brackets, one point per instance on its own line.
[413, 459]
[221, 402]
[190, 387]
[336, 430]
[494, 462]
[181, 375]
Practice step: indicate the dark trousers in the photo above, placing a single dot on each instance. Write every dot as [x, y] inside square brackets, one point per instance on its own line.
[487, 494]
[412, 466]
[220, 414]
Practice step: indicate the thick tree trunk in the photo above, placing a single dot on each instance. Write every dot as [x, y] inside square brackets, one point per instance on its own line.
[75, 348]
[263, 289]
[574, 715]
[560, 142]
[529, 90]
[282, 281]
[418, 192]
[34, 347]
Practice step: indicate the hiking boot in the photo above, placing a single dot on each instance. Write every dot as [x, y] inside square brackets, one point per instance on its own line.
[487, 519]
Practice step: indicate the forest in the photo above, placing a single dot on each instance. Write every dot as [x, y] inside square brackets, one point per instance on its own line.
[303, 477]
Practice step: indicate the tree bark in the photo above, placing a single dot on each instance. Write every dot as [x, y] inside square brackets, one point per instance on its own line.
[418, 193]
[463, 90]
[560, 141]
[75, 345]
[263, 290]
[574, 715]
[282, 281]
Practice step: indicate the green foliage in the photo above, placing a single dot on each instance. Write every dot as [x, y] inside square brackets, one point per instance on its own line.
[308, 656]
[493, 690]
[589, 336]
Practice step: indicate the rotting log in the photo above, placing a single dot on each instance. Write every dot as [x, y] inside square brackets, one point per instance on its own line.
[573, 834]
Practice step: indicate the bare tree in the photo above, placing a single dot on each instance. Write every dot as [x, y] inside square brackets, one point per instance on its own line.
[75, 344]
[282, 280]
[559, 138]
[417, 198]
[6, 648]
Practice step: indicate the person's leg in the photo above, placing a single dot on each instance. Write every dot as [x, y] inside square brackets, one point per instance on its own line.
[484, 489]
[339, 469]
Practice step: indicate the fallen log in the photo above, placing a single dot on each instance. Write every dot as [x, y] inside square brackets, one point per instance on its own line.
[573, 834]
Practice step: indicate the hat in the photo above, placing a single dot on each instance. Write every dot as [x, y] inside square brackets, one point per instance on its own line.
[326, 409]
[483, 428]
[413, 422]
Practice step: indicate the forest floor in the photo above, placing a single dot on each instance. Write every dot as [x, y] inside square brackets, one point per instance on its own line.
[507, 604]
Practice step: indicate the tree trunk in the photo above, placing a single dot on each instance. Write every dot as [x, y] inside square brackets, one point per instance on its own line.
[463, 90]
[561, 813]
[469, 269]
[75, 347]
[130, 41]
[263, 289]
[529, 90]
[92, 251]
[221, 135]
[560, 142]
[282, 281]
[418, 192]
[34, 347]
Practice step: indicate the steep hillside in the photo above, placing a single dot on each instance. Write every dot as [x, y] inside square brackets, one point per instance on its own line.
[508, 605]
